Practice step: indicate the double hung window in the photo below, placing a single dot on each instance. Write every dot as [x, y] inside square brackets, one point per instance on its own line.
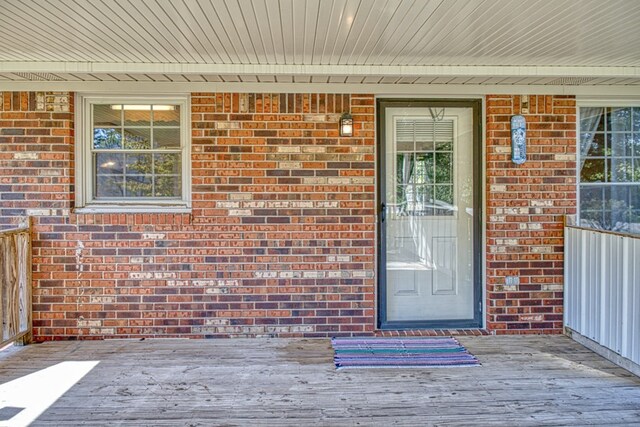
[133, 154]
[609, 168]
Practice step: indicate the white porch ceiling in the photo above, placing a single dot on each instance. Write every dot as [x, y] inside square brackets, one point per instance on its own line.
[434, 42]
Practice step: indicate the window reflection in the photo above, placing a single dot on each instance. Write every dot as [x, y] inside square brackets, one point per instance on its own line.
[136, 151]
[610, 168]
[425, 180]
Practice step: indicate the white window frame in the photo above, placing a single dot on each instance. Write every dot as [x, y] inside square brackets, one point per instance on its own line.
[604, 102]
[85, 175]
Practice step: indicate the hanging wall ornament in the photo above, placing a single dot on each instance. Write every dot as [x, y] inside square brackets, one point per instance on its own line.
[518, 140]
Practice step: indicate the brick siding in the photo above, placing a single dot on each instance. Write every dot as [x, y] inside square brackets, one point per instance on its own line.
[526, 205]
[280, 241]
[281, 238]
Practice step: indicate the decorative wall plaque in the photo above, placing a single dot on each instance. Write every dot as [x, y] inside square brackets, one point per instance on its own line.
[518, 140]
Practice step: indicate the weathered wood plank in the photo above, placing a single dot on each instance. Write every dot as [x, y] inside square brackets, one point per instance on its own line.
[9, 283]
[15, 284]
[24, 282]
[523, 381]
[17, 230]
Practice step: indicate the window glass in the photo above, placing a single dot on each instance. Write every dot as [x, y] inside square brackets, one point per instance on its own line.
[136, 151]
[609, 175]
[106, 138]
[137, 115]
[106, 116]
[164, 115]
[424, 167]
[166, 138]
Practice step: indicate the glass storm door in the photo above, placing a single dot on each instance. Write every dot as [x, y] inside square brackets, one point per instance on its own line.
[427, 225]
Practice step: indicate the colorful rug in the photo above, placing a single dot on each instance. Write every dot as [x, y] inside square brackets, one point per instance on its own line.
[425, 352]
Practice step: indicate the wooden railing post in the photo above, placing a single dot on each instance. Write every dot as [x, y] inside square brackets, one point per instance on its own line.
[15, 284]
[25, 299]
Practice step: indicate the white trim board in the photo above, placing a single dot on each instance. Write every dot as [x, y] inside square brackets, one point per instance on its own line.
[167, 88]
[326, 70]
[608, 101]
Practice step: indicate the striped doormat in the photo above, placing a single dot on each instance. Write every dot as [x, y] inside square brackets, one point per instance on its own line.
[426, 352]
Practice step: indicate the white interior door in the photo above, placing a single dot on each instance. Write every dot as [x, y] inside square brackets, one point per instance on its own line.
[429, 214]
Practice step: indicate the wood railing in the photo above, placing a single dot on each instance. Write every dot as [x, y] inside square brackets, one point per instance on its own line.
[15, 284]
[602, 291]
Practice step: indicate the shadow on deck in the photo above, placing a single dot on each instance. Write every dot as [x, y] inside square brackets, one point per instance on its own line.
[524, 380]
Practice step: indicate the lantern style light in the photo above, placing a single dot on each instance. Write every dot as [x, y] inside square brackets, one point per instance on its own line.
[346, 125]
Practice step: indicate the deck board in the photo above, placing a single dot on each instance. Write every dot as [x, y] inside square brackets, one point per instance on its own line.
[531, 380]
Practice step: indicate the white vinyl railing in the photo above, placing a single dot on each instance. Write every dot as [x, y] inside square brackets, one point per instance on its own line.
[602, 289]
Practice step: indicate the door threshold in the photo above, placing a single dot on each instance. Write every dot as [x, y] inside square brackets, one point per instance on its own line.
[429, 332]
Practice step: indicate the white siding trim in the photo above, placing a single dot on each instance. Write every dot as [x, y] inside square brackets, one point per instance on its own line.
[328, 70]
[466, 91]
[604, 101]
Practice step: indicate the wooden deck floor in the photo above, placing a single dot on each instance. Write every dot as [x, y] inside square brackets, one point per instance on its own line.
[540, 380]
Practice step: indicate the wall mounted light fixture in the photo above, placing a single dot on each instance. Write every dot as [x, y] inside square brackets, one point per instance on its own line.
[346, 125]
[524, 104]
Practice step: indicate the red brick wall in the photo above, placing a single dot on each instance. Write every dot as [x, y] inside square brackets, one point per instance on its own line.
[526, 205]
[281, 238]
[36, 154]
[280, 241]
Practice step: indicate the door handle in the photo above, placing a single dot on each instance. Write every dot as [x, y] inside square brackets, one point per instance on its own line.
[383, 212]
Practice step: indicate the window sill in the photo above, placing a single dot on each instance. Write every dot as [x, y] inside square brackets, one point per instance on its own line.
[125, 209]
